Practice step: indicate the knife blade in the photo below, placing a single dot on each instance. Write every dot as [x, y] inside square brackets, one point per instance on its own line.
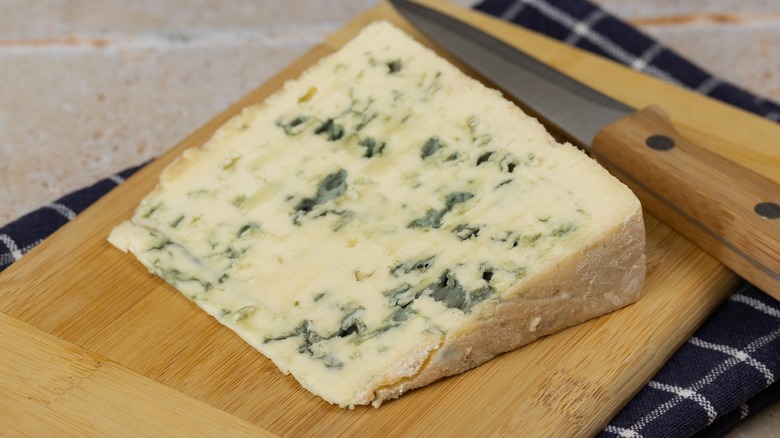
[726, 209]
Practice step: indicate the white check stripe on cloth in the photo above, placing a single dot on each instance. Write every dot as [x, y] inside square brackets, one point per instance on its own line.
[689, 394]
[583, 28]
[708, 379]
[63, 210]
[744, 410]
[708, 85]
[619, 431]
[14, 252]
[116, 179]
[513, 10]
[754, 303]
[647, 57]
[603, 43]
[13, 249]
[739, 354]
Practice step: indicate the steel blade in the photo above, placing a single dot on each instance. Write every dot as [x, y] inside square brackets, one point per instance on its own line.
[575, 109]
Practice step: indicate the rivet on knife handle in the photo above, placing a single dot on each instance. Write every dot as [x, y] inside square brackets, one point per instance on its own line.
[728, 210]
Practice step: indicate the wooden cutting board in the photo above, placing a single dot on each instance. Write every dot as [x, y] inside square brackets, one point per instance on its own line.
[93, 344]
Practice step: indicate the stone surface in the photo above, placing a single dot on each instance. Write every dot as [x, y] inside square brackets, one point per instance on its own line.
[89, 88]
[737, 40]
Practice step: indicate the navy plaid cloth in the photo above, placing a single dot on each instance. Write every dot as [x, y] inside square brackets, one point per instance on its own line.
[725, 372]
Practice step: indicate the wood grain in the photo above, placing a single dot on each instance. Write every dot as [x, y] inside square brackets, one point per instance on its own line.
[76, 291]
[50, 386]
[705, 197]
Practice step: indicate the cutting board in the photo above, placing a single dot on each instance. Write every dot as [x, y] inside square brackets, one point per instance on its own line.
[92, 344]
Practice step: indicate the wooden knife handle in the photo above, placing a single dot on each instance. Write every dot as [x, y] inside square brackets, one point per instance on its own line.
[727, 210]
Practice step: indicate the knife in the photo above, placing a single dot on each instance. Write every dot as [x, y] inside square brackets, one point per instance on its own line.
[726, 209]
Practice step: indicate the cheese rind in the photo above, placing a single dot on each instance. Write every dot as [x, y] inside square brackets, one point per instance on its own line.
[384, 221]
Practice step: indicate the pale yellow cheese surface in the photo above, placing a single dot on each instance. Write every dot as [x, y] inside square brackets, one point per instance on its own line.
[365, 211]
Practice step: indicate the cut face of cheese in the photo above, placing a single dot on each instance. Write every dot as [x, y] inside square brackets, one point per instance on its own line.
[384, 221]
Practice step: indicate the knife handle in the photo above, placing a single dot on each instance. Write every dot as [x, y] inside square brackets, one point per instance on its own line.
[727, 210]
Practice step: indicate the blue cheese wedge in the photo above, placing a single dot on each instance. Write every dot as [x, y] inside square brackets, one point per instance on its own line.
[384, 221]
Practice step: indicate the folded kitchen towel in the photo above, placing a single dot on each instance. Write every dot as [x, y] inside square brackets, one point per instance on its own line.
[582, 24]
[725, 372]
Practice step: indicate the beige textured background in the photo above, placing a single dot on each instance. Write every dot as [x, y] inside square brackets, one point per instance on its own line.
[89, 87]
